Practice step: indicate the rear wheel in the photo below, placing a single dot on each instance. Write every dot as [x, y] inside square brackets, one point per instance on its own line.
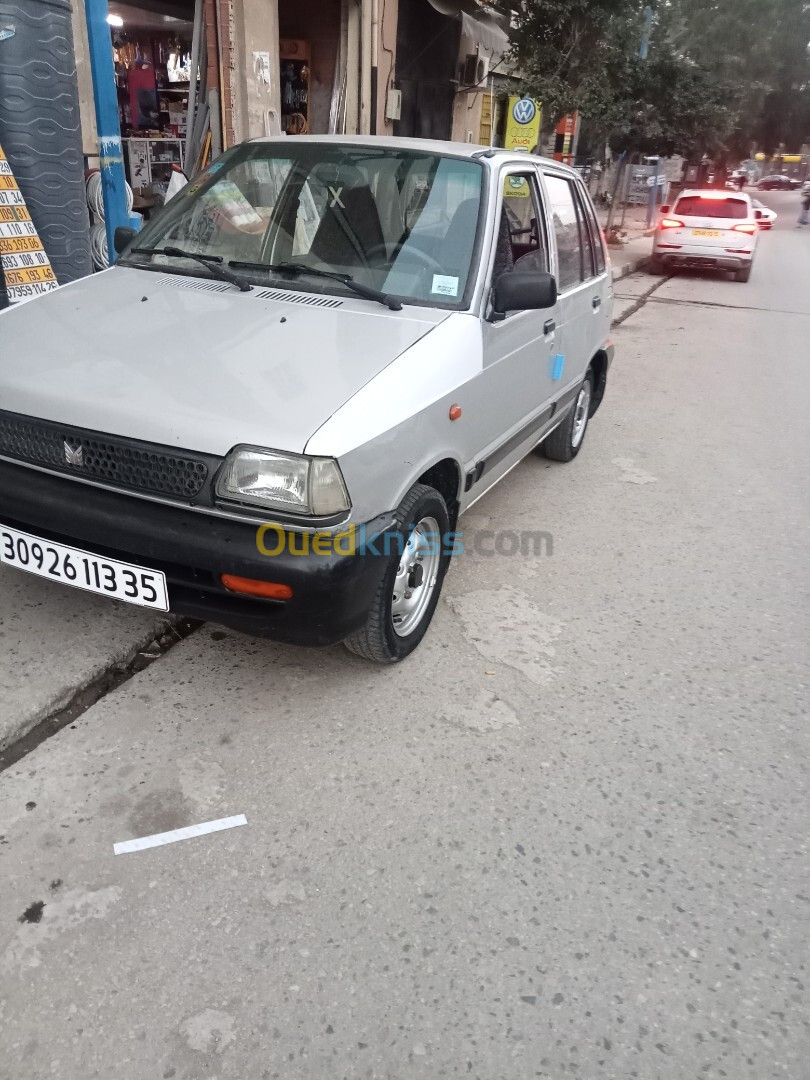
[656, 265]
[744, 274]
[565, 442]
[408, 593]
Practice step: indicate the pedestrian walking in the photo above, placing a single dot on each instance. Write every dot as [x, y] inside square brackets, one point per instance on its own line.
[804, 216]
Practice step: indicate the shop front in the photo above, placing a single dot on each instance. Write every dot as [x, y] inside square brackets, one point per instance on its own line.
[152, 58]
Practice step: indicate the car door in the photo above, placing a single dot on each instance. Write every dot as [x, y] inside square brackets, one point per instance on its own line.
[595, 263]
[579, 296]
[517, 380]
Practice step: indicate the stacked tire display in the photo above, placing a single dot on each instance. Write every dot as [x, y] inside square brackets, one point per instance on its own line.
[40, 127]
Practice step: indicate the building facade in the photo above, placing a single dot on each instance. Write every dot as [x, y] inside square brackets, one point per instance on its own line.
[422, 68]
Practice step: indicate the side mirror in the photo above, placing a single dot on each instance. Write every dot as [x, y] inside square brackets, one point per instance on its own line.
[665, 208]
[758, 215]
[523, 290]
[122, 238]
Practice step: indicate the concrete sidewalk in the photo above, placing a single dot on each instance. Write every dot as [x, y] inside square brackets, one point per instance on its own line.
[629, 256]
[55, 642]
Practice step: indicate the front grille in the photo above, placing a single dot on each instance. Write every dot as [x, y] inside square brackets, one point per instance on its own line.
[91, 455]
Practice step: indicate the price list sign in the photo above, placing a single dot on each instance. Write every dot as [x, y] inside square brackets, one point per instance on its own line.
[27, 271]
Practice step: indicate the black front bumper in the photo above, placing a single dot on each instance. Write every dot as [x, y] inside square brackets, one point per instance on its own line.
[331, 592]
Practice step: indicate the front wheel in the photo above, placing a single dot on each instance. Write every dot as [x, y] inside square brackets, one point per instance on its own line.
[565, 442]
[408, 593]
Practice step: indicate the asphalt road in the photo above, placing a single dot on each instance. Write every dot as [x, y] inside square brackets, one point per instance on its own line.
[566, 839]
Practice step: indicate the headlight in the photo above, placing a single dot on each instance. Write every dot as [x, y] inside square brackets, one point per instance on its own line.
[289, 482]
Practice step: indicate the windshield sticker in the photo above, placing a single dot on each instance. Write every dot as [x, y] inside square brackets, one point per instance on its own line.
[445, 285]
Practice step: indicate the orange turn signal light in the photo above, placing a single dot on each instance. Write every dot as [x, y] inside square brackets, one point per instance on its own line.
[271, 590]
[455, 412]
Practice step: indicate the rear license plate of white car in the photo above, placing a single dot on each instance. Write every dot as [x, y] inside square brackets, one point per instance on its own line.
[707, 232]
[83, 570]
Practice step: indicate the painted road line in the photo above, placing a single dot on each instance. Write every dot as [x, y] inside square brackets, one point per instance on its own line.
[158, 839]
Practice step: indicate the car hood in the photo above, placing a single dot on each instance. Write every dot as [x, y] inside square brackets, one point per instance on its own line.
[193, 363]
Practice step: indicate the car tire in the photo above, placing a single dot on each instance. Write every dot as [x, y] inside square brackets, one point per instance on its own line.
[744, 274]
[389, 635]
[656, 265]
[565, 441]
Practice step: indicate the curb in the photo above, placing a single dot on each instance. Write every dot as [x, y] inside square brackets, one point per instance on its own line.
[630, 268]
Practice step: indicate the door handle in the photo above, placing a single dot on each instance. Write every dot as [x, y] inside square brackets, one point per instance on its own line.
[596, 302]
[549, 326]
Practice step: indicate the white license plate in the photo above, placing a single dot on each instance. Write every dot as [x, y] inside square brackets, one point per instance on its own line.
[83, 570]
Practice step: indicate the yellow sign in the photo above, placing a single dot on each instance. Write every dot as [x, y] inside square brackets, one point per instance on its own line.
[516, 187]
[23, 263]
[523, 124]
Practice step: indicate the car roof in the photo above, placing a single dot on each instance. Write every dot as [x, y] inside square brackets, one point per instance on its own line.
[713, 193]
[495, 154]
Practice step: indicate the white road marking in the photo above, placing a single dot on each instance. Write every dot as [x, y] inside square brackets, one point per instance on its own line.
[158, 839]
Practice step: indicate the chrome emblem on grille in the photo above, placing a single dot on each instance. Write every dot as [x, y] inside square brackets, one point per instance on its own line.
[73, 455]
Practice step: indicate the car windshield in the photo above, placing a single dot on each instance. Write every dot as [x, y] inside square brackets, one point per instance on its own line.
[699, 206]
[403, 222]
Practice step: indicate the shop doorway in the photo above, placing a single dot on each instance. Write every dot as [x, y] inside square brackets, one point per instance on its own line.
[427, 54]
[153, 47]
[309, 64]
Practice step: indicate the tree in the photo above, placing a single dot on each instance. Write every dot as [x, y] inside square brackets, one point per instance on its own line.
[719, 74]
[572, 53]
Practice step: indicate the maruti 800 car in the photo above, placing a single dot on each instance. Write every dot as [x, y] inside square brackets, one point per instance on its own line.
[273, 409]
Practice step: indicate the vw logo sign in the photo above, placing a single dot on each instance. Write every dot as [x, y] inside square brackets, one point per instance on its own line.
[523, 111]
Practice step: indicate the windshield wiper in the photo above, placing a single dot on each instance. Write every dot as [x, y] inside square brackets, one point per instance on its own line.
[211, 262]
[296, 268]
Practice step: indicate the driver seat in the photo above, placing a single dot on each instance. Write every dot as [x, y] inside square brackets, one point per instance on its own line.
[349, 229]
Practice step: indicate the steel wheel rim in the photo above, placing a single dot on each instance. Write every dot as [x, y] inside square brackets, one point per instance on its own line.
[416, 577]
[581, 414]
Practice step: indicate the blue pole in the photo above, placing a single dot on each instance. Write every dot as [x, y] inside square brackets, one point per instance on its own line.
[113, 181]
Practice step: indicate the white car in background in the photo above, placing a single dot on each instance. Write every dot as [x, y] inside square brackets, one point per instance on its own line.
[768, 217]
[707, 229]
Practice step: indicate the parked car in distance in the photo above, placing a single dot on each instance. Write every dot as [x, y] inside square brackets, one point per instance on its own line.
[707, 229]
[778, 182]
[273, 409]
[767, 216]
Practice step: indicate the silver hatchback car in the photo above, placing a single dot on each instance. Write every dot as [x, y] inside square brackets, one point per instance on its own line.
[273, 410]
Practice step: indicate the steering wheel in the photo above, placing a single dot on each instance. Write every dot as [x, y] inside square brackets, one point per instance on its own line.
[427, 261]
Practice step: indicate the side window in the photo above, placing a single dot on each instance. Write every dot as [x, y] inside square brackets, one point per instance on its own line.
[566, 224]
[521, 241]
[586, 239]
[595, 231]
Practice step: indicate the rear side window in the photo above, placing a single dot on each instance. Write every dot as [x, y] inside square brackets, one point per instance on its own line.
[567, 231]
[695, 206]
[596, 234]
